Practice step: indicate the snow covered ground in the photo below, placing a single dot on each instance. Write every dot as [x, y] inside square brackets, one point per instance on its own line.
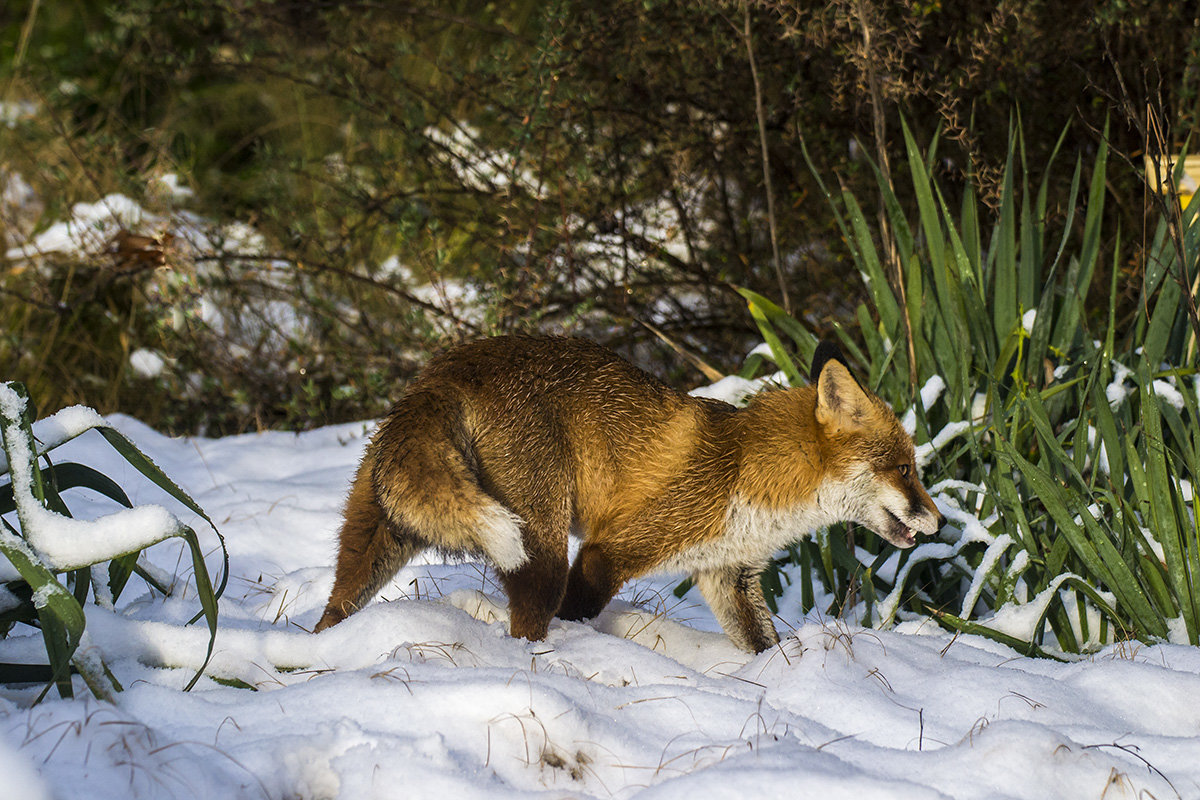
[426, 695]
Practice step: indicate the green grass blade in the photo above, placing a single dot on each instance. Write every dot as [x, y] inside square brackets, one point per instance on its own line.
[1067, 325]
[143, 464]
[954, 623]
[930, 221]
[208, 600]
[1004, 273]
[1168, 308]
[762, 310]
[872, 269]
[70, 475]
[1090, 543]
[1163, 518]
[60, 616]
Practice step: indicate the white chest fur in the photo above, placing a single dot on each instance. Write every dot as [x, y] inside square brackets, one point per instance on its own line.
[751, 535]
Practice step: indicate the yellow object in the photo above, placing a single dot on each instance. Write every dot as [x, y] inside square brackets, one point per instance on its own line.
[1189, 179]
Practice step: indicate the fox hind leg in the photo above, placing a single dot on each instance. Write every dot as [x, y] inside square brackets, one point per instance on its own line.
[429, 481]
[535, 587]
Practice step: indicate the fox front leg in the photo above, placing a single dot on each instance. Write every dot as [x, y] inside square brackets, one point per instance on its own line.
[734, 593]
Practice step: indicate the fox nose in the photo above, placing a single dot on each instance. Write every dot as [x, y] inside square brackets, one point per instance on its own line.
[941, 520]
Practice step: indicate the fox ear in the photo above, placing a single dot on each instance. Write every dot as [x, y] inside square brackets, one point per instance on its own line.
[825, 352]
[841, 402]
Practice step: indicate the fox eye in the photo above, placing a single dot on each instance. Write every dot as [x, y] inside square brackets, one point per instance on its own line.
[904, 469]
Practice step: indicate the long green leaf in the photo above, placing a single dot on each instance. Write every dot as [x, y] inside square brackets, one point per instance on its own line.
[1067, 326]
[1004, 274]
[760, 310]
[60, 616]
[1023, 647]
[1161, 487]
[1090, 543]
[70, 475]
[208, 599]
[143, 464]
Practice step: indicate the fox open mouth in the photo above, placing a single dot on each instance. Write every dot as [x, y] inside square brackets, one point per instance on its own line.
[897, 532]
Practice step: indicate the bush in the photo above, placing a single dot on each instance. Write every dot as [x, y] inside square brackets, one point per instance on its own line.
[417, 174]
[1064, 457]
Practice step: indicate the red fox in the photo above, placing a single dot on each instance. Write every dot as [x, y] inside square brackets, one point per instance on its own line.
[505, 446]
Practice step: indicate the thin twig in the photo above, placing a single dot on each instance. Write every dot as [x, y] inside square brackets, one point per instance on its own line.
[708, 370]
[766, 159]
[26, 30]
[887, 238]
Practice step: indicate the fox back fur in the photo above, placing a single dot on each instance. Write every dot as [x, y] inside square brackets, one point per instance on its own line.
[505, 446]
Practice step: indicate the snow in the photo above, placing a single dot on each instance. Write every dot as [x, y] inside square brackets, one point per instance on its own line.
[88, 230]
[1168, 393]
[979, 405]
[762, 349]
[427, 695]
[932, 390]
[1117, 391]
[1021, 621]
[13, 112]
[53, 430]
[1101, 454]
[991, 556]
[19, 207]
[146, 363]
[732, 389]
[63, 542]
[171, 185]
[71, 544]
[20, 777]
[940, 439]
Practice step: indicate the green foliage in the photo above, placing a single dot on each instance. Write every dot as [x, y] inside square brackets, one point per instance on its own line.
[1064, 457]
[573, 165]
[41, 597]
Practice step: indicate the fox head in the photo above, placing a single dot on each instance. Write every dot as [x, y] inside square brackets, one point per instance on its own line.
[873, 473]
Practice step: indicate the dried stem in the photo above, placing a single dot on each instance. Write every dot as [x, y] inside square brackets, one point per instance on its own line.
[887, 238]
[766, 159]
